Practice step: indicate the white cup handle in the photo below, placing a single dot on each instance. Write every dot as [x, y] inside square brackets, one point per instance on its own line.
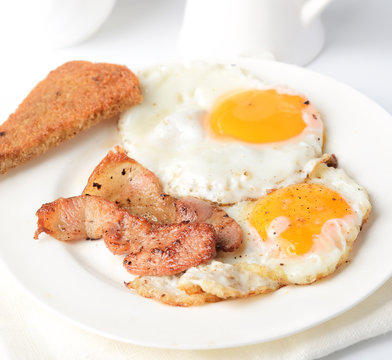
[312, 9]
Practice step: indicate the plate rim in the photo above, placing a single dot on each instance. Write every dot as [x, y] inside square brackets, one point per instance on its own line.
[240, 62]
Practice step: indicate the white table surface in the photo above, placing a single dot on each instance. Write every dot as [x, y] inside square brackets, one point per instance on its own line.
[358, 52]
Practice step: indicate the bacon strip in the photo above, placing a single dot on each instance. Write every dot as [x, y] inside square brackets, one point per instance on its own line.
[153, 249]
[124, 181]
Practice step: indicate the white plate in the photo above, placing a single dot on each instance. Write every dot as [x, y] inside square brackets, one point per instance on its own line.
[83, 282]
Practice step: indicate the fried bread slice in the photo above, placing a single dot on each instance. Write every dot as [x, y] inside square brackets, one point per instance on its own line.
[74, 97]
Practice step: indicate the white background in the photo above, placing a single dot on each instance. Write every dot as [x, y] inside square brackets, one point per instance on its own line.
[358, 52]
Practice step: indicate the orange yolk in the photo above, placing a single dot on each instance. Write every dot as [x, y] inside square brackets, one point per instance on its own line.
[307, 207]
[259, 116]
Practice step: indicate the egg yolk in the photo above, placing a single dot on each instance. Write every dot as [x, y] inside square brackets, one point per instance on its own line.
[306, 206]
[259, 116]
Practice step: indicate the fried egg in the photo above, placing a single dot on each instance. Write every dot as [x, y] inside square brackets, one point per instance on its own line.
[294, 235]
[219, 133]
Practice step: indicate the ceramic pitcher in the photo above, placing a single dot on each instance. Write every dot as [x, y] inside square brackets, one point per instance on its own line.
[285, 30]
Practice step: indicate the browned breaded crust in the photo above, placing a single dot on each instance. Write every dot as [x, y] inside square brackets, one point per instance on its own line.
[168, 294]
[74, 97]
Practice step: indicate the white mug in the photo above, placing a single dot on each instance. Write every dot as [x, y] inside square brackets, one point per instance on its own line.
[51, 23]
[285, 30]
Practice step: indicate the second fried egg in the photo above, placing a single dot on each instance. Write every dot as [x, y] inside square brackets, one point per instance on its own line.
[294, 235]
[299, 233]
[218, 133]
